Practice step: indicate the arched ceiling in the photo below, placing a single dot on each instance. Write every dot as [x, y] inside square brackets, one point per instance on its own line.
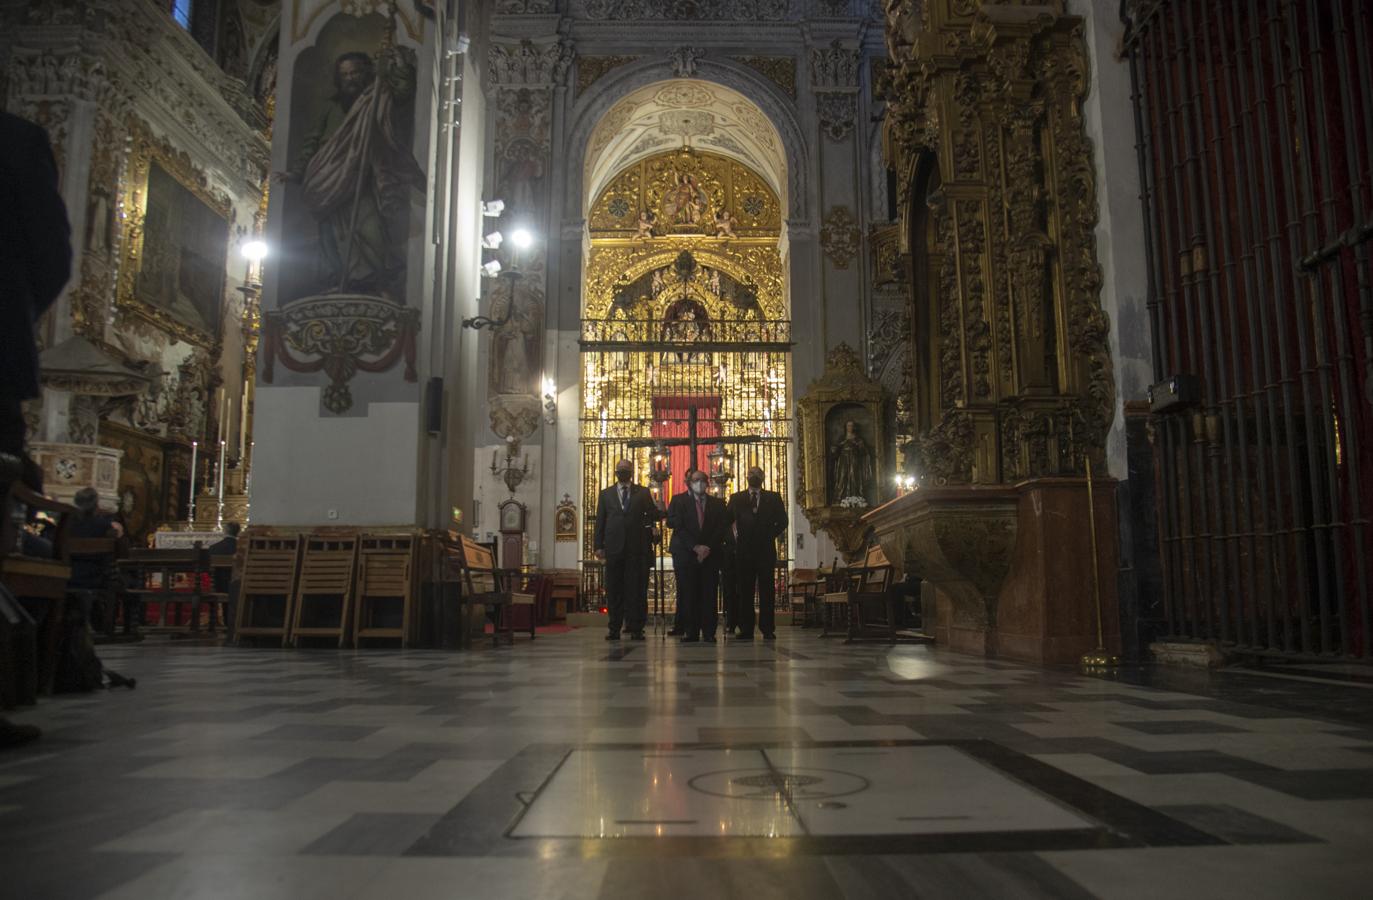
[669, 114]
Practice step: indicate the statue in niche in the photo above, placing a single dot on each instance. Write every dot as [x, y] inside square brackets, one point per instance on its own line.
[713, 281]
[515, 349]
[685, 324]
[724, 224]
[657, 284]
[851, 475]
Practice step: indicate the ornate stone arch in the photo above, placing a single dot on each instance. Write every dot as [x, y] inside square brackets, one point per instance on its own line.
[589, 110]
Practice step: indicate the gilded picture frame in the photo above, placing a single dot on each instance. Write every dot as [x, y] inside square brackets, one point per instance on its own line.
[177, 230]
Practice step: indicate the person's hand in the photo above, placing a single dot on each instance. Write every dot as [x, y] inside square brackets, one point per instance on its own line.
[702, 551]
[600, 554]
[117, 529]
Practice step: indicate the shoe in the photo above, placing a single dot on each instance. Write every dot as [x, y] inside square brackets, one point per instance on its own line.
[690, 640]
[676, 632]
[636, 635]
[613, 636]
[769, 637]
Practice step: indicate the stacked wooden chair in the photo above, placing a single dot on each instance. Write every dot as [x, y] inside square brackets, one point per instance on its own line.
[268, 589]
[385, 589]
[323, 600]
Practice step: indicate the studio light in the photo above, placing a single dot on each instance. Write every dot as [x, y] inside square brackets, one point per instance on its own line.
[492, 241]
[493, 208]
[492, 268]
[522, 238]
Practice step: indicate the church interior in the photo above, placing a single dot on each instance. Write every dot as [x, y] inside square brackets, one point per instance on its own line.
[686, 448]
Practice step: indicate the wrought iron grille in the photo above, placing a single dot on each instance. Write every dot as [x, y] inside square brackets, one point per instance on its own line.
[1255, 131]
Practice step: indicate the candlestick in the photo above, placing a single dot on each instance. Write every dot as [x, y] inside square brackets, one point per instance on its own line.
[190, 506]
[222, 448]
[243, 423]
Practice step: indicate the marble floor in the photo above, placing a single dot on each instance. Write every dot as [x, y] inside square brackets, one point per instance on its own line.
[573, 768]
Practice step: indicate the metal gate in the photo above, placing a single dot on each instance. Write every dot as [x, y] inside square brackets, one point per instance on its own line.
[1255, 127]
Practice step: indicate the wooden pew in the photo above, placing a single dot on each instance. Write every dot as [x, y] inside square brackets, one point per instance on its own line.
[386, 580]
[802, 590]
[267, 593]
[324, 591]
[156, 572]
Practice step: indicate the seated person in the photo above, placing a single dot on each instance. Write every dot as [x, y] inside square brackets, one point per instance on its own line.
[93, 572]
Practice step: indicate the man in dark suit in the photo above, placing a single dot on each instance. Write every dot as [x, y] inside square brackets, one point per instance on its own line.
[759, 518]
[698, 522]
[35, 261]
[624, 520]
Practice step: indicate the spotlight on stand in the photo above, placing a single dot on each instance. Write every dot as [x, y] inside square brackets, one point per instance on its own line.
[491, 269]
[493, 208]
[492, 241]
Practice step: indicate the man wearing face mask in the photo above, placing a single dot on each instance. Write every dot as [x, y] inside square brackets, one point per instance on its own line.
[759, 518]
[698, 522]
[624, 516]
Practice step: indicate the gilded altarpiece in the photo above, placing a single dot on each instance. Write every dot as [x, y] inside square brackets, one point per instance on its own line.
[685, 337]
[1014, 388]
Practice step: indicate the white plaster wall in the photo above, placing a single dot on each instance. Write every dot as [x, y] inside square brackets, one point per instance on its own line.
[1109, 117]
[362, 468]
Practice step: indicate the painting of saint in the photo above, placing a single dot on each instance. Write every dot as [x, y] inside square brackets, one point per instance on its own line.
[354, 170]
[185, 244]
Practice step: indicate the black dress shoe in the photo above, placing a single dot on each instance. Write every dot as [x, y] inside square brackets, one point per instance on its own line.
[690, 640]
[613, 636]
[769, 637]
[636, 635]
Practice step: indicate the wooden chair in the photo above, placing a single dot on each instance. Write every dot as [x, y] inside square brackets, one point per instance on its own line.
[385, 588]
[323, 601]
[480, 580]
[268, 588]
[531, 597]
[857, 589]
[801, 592]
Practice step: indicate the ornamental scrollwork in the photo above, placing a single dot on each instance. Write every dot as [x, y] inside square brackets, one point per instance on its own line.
[839, 236]
[339, 335]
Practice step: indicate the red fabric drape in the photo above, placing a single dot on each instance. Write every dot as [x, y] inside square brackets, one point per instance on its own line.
[671, 420]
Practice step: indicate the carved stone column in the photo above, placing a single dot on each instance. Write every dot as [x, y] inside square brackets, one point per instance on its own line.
[523, 77]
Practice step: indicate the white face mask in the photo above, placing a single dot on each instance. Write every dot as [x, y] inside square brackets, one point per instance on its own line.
[698, 487]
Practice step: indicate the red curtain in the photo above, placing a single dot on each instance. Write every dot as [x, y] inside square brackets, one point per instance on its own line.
[672, 421]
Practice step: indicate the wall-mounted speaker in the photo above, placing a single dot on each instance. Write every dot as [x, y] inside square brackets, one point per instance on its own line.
[433, 405]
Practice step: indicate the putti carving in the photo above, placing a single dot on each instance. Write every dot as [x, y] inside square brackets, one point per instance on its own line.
[839, 236]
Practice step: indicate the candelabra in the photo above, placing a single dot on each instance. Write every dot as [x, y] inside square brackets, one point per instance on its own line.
[511, 473]
[720, 472]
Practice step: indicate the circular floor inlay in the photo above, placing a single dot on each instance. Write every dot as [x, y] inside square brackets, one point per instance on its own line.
[773, 784]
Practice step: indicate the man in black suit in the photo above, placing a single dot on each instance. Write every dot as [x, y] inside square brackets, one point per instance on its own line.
[624, 520]
[760, 518]
[35, 261]
[698, 522]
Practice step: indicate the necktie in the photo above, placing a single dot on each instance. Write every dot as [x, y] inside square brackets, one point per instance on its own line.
[624, 497]
[700, 512]
[755, 502]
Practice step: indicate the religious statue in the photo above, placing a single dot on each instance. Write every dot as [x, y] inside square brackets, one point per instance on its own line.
[685, 201]
[657, 285]
[724, 224]
[852, 473]
[684, 327]
[356, 172]
[645, 226]
[514, 347]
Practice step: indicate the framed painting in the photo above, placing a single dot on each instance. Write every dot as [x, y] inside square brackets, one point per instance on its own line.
[176, 243]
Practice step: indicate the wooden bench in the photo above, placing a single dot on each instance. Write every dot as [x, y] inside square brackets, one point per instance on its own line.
[156, 573]
[855, 588]
[385, 588]
[268, 588]
[324, 591]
